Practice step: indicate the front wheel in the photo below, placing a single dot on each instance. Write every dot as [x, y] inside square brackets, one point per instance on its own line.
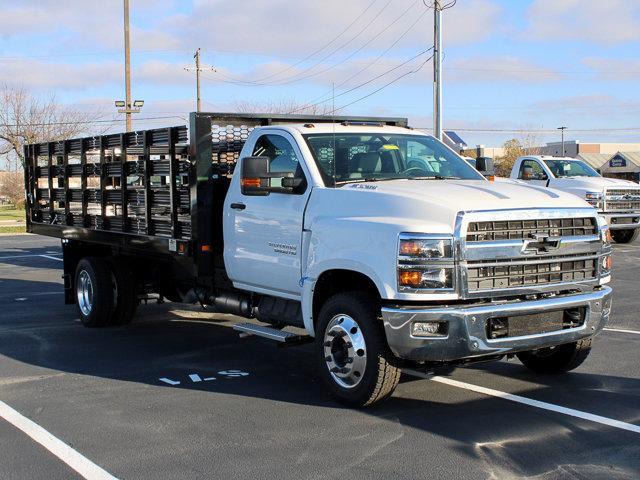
[558, 359]
[354, 359]
[625, 236]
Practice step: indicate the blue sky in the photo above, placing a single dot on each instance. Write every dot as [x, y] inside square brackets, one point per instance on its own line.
[509, 64]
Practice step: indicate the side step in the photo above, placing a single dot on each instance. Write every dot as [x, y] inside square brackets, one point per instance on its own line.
[281, 336]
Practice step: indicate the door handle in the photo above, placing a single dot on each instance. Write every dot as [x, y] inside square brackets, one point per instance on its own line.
[238, 206]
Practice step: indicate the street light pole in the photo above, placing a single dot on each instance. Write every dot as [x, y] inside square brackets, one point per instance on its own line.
[437, 69]
[127, 65]
[562, 129]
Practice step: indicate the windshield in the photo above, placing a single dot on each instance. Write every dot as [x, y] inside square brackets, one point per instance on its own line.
[355, 157]
[570, 168]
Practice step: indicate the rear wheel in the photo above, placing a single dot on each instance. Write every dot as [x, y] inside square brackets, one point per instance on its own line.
[558, 359]
[625, 236]
[94, 291]
[354, 359]
[126, 294]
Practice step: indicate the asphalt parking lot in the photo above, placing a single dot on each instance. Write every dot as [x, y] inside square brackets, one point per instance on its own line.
[178, 394]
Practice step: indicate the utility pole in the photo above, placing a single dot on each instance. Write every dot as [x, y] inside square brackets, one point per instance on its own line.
[437, 69]
[197, 57]
[125, 106]
[198, 70]
[127, 64]
[562, 129]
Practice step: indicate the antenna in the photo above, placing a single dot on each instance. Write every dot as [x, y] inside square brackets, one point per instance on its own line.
[333, 127]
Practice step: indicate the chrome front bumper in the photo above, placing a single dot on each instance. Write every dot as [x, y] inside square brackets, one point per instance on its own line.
[612, 220]
[466, 334]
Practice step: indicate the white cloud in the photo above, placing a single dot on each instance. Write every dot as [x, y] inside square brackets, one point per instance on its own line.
[611, 21]
[36, 74]
[290, 27]
[615, 68]
[499, 69]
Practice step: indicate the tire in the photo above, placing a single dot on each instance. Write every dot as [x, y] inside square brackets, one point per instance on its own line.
[126, 296]
[354, 360]
[625, 236]
[558, 359]
[94, 291]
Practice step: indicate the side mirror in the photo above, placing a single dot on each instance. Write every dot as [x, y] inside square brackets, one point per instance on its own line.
[256, 178]
[485, 166]
[527, 173]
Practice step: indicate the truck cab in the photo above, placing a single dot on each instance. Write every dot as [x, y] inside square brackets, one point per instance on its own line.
[617, 200]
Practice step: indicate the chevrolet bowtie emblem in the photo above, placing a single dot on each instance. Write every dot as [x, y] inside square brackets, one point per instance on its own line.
[540, 243]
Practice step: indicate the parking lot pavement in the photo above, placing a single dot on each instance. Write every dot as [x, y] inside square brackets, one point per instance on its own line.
[178, 394]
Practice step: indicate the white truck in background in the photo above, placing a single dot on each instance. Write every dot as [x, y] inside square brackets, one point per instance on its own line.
[379, 241]
[618, 201]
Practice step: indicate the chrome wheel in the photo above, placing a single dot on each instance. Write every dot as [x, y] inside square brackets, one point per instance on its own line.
[84, 292]
[345, 351]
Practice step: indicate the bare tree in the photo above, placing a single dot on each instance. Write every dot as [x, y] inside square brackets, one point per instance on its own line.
[282, 106]
[25, 119]
[12, 187]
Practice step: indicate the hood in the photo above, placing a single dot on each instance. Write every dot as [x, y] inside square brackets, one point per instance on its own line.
[593, 183]
[466, 195]
[430, 205]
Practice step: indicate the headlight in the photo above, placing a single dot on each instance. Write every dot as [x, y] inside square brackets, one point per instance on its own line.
[427, 248]
[425, 278]
[606, 265]
[425, 262]
[606, 235]
[594, 198]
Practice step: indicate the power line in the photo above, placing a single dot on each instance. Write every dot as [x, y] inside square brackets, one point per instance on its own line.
[525, 130]
[364, 83]
[385, 85]
[352, 54]
[308, 69]
[324, 46]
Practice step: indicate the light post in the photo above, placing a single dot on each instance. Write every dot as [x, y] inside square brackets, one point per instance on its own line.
[562, 129]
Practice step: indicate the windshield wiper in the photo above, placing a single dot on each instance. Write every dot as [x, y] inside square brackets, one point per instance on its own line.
[371, 179]
[434, 177]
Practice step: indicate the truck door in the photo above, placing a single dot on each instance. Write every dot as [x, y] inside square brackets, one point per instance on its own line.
[263, 234]
[531, 171]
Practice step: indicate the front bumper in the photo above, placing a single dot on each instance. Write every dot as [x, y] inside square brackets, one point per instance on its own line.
[467, 333]
[620, 221]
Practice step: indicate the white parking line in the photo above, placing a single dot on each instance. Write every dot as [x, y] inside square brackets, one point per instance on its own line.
[50, 257]
[528, 401]
[11, 257]
[64, 452]
[621, 330]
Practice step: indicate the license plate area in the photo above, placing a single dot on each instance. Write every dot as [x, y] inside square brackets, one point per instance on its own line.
[535, 323]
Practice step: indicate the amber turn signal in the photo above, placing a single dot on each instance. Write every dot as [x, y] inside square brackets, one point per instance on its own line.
[410, 248]
[410, 278]
[250, 182]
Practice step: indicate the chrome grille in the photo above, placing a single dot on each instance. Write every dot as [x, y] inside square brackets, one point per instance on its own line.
[522, 229]
[622, 200]
[514, 273]
[623, 191]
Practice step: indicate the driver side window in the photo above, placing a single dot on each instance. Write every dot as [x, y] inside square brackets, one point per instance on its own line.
[531, 170]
